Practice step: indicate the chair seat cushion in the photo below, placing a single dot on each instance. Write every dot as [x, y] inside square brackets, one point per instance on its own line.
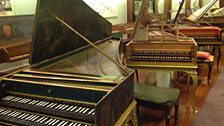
[202, 55]
[158, 95]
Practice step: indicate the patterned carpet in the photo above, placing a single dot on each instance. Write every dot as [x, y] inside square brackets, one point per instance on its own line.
[212, 111]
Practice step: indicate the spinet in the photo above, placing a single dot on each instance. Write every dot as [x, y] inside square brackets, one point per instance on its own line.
[70, 81]
[204, 35]
[215, 16]
[159, 47]
[17, 45]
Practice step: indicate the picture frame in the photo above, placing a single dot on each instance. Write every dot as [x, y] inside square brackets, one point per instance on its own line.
[6, 7]
[16, 27]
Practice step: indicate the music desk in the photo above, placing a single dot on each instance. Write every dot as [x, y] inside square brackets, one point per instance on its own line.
[190, 70]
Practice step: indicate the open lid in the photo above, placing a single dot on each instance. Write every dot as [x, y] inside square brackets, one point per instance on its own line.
[52, 38]
[194, 17]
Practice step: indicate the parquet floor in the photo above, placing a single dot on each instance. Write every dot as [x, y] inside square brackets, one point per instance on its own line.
[186, 116]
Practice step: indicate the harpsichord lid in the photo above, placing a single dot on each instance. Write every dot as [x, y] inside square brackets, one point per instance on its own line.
[194, 17]
[52, 38]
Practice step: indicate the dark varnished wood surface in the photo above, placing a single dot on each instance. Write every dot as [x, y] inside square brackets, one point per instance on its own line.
[186, 116]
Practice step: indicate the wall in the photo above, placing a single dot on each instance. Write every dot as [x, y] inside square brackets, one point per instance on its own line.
[207, 1]
[24, 7]
[122, 13]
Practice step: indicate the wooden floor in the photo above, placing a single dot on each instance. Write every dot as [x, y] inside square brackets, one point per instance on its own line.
[186, 116]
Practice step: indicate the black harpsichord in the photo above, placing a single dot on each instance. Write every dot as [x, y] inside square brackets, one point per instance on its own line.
[76, 76]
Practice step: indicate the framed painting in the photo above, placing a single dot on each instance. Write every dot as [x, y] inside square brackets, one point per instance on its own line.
[6, 7]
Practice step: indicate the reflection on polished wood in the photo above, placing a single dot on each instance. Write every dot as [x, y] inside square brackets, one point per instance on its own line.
[150, 117]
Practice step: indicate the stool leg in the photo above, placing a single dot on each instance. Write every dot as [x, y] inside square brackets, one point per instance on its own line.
[209, 72]
[167, 117]
[176, 112]
[167, 120]
[219, 56]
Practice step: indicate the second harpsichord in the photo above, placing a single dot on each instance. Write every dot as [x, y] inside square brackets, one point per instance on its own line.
[155, 46]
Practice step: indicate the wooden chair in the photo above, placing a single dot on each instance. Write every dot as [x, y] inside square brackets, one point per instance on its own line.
[157, 98]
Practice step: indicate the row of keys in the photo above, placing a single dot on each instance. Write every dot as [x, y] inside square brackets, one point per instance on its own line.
[160, 57]
[37, 119]
[51, 105]
[150, 52]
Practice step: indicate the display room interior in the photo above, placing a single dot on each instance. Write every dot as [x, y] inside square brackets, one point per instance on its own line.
[111, 63]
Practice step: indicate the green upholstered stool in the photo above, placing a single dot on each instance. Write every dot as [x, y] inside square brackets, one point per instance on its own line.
[157, 98]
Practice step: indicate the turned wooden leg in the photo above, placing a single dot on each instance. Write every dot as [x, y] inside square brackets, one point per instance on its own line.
[176, 112]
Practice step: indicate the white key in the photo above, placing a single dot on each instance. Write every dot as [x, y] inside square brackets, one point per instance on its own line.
[18, 113]
[32, 102]
[18, 99]
[32, 117]
[75, 124]
[85, 110]
[27, 118]
[21, 115]
[11, 113]
[49, 105]
[21, 101]
[61, 106]
[55, 104]
[27, 100]
[60, 123]
[52, 121]
[8, 98]
[58, 106]
[71, 124]
[64, 107]
[35, 102]
[40, 102]
[1, 109]
[45, 104]
[12, 97]
[55, 122]
[90, 112]
[48, 121]
[64, 123]
[35, 118]
[73, 108]
[82, 110]
[40, 119]
[69, 108]
[15, 99]
[24, 116]
[43, 120]
[6, 112]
